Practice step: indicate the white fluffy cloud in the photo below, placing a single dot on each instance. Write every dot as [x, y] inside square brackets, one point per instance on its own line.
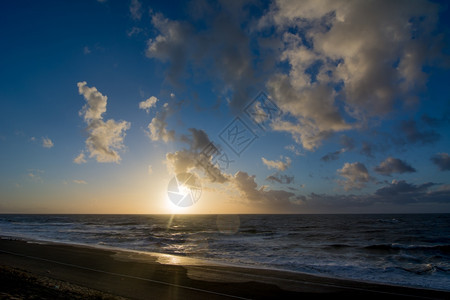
[105, 138]
[348, 61]
[277, 164]
[355, 174]
[149, 103]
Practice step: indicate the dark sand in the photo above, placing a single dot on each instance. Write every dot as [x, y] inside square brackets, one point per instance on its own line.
[57, 271]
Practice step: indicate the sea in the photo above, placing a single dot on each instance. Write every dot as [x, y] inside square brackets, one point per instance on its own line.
[408, 250]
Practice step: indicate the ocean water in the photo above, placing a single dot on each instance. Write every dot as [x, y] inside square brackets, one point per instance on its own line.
[410, 250]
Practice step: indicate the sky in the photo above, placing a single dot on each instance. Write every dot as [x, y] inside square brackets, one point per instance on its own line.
[272, 106]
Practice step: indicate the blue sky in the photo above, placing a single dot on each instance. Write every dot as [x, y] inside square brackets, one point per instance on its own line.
[103, 102]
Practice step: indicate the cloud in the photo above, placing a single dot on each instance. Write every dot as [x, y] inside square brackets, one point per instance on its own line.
[86, 50]
[134, 31]
[331, 156]
[393, 165]
[283, 179]
[219, 50]
[105, 138]
[80, 159]
[442, 160]
[96, 102]
[277, 164]
[35, 175]
[150, 169]
[186, 160]
[413, 135]
[347, 143]
[402, 188]
[355, 174]
[158, 126]
[248, 189]
[348, 63]
[135, 9]
[79, 181]
[293, 149]
[198, 139]
[367, 149]
[149, 103]
[47, 143]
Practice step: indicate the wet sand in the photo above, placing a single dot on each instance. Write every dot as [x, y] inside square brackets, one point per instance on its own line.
[59, 271]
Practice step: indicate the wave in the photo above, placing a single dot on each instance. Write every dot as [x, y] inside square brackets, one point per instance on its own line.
[445, 248]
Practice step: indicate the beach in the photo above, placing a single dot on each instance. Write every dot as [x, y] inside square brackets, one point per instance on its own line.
[55, 271]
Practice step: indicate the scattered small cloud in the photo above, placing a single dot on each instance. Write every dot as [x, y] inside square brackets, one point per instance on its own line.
[355, 174]
[134, 31]
[293, 149]
[86, 50]
[35, 174]
[77, 181]
[149, 103]
[393, 165]
[347, 143]
[331, 156]
[150, 169]
[80, 159]
[47, 143]
[367, 149]
[442, 160]
[283, 179]
[277, 164]
[135, 9]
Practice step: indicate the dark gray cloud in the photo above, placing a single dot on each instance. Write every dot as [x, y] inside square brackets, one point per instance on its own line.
[220, 49]
[401, 187]
[396, 193]
[347, 143]
[283, 179]
[198, 139]
[414, 135]
[367, 149]
[393, 165]
[442, 160]
[331, 156]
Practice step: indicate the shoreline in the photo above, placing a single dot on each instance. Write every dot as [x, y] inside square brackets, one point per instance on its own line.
[143, 272]
[187, 261]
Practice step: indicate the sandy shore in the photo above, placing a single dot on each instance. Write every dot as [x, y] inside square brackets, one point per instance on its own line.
[57, 271]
